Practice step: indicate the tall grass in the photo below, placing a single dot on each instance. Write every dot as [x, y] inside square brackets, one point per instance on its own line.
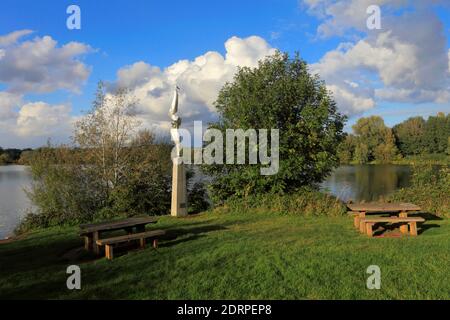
[430, 189]
[306, 202]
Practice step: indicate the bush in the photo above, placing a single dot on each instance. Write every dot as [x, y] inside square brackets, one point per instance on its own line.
[305, 202]
[278, 94]
[430, 189]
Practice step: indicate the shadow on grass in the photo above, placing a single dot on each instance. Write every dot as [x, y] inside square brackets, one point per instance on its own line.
[385, 228]
[428, 216]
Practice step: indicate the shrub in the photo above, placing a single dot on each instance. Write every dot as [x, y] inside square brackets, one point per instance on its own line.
[304, 202]
[430, 189]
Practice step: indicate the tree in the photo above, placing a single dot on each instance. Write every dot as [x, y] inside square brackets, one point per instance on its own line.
[410, 136]
[104, 133]
[110, 170]
[375, 140]
[279, 94]
[346, 150]
[437, 131]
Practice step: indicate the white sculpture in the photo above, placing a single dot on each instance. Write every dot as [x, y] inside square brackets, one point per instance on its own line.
[176, 122]
[179, 187]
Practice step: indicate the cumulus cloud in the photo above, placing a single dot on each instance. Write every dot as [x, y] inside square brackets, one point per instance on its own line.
[200, 80]
[29, 124]
[40, 65]
[8, 103]
[12, 37]
[42, 119]
[406, 61]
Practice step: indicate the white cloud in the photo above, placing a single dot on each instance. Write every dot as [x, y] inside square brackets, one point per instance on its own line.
[200, 80]
[350, 102]
[449, 60]
[40, 66]
[42, 119]
[8, 103]
[12, 37]
[406, 61]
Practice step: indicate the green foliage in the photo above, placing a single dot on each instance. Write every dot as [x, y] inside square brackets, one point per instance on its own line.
[430, 189]
[110, 171]
[437, 132]
[198, 198]
[278, 94]
[305, 202]
[374, 141]
[63, 189]
[11, 156]
[410, 136]
[346, 149]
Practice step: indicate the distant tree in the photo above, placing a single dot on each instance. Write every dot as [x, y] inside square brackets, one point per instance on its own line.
[437, 131]
[410, 136]
[346, 150]
[279, 94]
[377, 138]
[448, 146]
[5, 159]
[361, 154]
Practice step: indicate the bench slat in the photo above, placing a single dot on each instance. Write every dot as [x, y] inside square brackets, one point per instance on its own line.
[134, 236]
[383, 207]
[393, 219]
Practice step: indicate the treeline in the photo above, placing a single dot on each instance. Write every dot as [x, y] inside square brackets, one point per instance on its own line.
[373, 141]
[14, 156]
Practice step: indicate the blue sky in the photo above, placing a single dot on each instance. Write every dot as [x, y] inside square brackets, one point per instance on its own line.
[161, 33]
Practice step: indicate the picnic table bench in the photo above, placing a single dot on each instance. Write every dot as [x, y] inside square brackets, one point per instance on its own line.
[94, 231]
[365, 224]
[110, 242]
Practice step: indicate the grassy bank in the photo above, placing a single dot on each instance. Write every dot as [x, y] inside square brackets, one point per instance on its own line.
[237, 255]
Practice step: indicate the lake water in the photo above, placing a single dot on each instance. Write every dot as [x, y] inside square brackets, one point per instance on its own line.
[367, 182]
[359, 182]
[13, 200]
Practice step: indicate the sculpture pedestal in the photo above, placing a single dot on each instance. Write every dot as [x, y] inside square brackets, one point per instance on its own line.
[179, 191]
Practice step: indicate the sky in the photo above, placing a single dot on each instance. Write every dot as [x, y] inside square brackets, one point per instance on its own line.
[49, 73]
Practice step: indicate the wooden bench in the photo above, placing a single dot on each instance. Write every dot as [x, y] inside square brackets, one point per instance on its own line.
[366, 224]
[142, 237]
[95, 231]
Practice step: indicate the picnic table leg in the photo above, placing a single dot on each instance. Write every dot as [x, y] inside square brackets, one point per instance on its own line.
[155, 243]
[142, 243]
[362, 227]
[413, 228]
[109, 252]
[356, 219]
[87, 242]
[403, 227]
[369, 229]
[95, 237]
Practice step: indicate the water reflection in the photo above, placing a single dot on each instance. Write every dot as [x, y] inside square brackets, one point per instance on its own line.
[13, 200]
[367, 182]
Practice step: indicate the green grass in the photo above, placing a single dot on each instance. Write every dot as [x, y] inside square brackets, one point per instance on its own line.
[236, 256]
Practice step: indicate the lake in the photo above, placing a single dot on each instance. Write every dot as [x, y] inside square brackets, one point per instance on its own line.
[359, 182]
[367, 182]
[13, 200]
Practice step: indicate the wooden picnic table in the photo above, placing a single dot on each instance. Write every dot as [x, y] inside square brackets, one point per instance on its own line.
[360, 211]
[94, 231]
